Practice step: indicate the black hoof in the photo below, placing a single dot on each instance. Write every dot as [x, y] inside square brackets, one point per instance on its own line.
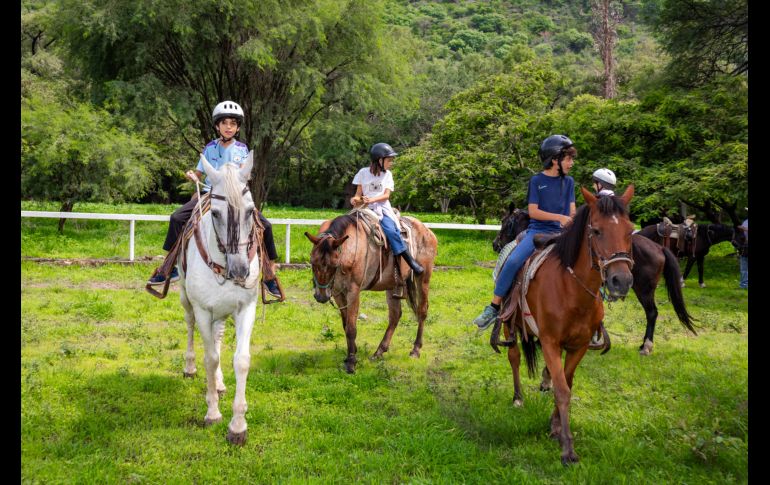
[238, 439]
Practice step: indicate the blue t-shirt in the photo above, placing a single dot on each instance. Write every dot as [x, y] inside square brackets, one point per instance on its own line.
[551, 194]
[217, 155]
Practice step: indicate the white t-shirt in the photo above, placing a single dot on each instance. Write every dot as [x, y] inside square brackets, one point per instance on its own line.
[372, 186]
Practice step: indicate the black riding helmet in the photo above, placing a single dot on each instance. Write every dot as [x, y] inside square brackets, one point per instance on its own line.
[552, 147]
[381, 150]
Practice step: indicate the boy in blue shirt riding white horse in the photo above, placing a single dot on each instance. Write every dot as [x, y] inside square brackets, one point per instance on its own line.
[227, 118]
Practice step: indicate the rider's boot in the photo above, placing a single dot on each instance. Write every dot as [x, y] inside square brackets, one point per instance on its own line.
[418, 270]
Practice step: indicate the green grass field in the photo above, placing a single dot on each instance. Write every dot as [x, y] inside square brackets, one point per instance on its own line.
[103, 399]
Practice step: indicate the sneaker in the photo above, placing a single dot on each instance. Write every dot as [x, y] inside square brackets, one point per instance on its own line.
[272, 288]
[487, 317]
[159, 279]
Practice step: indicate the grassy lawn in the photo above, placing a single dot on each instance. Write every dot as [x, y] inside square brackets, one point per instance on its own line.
[103, 399]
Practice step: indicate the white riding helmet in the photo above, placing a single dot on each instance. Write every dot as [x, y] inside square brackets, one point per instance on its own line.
[606, 177]
[227, 109]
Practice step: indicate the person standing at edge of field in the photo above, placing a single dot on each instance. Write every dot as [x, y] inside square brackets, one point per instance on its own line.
[373, 187]
[227, 118]
[551, 206]
[743, 252]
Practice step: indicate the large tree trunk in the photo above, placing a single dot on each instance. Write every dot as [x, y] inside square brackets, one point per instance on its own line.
[66, 206]
[606, 16]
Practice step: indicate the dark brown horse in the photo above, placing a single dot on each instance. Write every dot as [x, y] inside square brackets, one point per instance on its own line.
[706, 236]
[346, 260]
[564, 299]
[650, 262]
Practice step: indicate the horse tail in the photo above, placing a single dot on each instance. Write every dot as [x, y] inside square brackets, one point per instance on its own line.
[673, 276]
[413, 296]
[529, 346]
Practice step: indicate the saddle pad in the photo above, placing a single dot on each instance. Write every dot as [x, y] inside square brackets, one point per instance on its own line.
[533, 264]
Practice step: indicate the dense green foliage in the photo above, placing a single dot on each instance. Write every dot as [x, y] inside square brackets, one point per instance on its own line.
[464, 90]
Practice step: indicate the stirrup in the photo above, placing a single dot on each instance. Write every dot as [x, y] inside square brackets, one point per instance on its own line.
[399, 292]
[265, 292]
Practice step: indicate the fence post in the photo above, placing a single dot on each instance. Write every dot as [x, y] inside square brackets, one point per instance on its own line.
[131, 240]
[288, 243]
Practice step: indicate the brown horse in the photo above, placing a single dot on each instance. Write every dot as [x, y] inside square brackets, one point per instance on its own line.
[564, 299]
[346, 260]
[651, 261]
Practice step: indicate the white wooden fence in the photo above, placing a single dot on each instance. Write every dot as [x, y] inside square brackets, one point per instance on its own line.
[132, 218]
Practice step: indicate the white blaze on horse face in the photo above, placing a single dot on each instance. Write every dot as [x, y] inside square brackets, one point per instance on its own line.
[615, 219]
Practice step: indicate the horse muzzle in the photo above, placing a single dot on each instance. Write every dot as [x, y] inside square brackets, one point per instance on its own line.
[321, 296]
[237, 267]
[618, 284]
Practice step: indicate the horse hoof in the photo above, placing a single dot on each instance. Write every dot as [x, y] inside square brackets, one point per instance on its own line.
[415, 353]
[545, 388]
[518, 403]
[209, 421]
[238, 439]
[377, 355]
[569, 458]
[703, 285]
[189, 374]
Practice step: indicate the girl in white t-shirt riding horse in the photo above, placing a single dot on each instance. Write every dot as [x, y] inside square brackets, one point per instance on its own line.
[374, 185]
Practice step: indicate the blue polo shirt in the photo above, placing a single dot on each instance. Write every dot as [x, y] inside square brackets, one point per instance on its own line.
[217, 155]
[551, 194]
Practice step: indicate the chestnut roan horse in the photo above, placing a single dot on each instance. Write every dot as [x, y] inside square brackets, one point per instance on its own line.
[563, 297]
[346, 261]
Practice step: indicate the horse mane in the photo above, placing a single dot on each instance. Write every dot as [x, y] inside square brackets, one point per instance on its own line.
[337, 229]
[569, 242]
[232, 185]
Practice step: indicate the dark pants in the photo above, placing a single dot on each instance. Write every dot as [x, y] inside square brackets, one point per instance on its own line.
[180, 217]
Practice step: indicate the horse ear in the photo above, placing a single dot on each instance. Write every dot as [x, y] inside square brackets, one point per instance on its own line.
[588, 196]
[338, 242]
[312, 238]
[211, 172]
[628, 194]
[245, 170]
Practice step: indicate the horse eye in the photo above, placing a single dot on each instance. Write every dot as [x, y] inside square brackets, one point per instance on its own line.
[596, 232]
[215, 214]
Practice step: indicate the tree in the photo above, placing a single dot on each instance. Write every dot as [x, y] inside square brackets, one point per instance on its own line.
[485, 146]
[605, 16]
[285, 62]
[74, 155]
[705, 38]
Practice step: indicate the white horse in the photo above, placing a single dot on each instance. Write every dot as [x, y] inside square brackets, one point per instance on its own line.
[208, 297]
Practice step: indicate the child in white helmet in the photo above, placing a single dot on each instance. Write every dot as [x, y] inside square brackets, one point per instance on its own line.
[604, 181]
[227, 118]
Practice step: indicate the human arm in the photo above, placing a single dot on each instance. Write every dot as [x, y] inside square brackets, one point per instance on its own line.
[356, 199]
[379, 198]
[541, 215]
[194, 175]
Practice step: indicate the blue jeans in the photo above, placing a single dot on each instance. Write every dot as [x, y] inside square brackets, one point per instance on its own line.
[744, 272]
[393, 235]
[513, 264]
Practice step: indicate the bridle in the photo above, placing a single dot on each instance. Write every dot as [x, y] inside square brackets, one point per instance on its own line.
[600, 264]
[232, 229]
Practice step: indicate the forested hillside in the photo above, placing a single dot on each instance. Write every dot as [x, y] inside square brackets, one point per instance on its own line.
[116, 97]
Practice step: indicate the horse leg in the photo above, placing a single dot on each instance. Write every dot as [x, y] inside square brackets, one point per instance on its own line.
[571, 361]
[514, 358]
[244, 323]
[687, 268]
[647, 299]
[394, 315]
[349, 317]
[211, 363]
[700, 271]
[189, 316]
[422, 311]
[219, 332]
[546, 384]
[562, 394]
